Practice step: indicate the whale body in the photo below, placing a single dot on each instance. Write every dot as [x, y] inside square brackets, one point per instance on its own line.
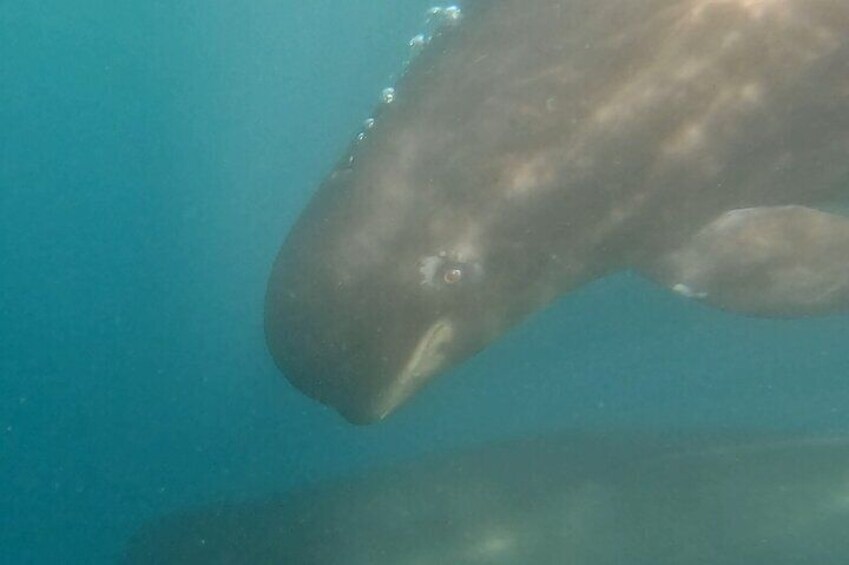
[536, 145]
[581, 500]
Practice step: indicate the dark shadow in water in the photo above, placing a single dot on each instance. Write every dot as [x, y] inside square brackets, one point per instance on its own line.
[578, 499]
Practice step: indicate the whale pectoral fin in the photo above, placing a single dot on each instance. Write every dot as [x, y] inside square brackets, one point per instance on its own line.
[771, 261]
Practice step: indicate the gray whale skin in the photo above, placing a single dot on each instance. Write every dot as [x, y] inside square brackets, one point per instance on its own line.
[579, 500]
[537, 145]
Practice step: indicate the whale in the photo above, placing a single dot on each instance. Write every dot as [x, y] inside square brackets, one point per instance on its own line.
[581, 498]
[534, 146]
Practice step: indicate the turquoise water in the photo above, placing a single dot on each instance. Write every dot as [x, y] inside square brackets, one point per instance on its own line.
[152, 157]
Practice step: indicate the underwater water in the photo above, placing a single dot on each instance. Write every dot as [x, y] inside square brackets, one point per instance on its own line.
[152, 157]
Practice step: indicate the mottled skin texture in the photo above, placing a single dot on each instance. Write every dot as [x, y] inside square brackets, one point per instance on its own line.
[541, 144]
[582, 500]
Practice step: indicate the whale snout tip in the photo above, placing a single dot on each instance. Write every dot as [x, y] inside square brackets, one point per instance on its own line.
[364, 384]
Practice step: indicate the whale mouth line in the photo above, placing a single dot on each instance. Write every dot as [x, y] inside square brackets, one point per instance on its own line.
[427, 359]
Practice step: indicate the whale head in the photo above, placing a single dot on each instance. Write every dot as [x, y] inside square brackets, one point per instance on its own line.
[452, 217]
[421, 247]
[398, 270]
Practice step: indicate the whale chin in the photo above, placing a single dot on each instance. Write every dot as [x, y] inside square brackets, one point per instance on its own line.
[427, 360]
[363, 375]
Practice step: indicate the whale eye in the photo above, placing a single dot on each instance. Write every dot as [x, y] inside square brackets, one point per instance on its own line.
[440, 271]
[452, 275]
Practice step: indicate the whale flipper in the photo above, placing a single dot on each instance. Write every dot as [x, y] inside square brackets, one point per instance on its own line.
[768, 261]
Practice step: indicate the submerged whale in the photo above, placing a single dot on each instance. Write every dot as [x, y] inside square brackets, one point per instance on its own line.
[580, 500]
[536, 145]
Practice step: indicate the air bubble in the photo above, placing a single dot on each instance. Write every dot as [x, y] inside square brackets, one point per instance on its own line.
[388, 95]
[368, 124]
[445, 15]
[361, 136]
[453, 14]
[418, 41]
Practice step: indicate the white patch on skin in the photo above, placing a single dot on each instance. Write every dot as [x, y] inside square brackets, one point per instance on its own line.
[613, 113]
[751, 94]
[688, 140]
[428, 267]
[465, 250]
[687, 291]
[694, 138]
[755, 9]
[526, 175]
[426, 360]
